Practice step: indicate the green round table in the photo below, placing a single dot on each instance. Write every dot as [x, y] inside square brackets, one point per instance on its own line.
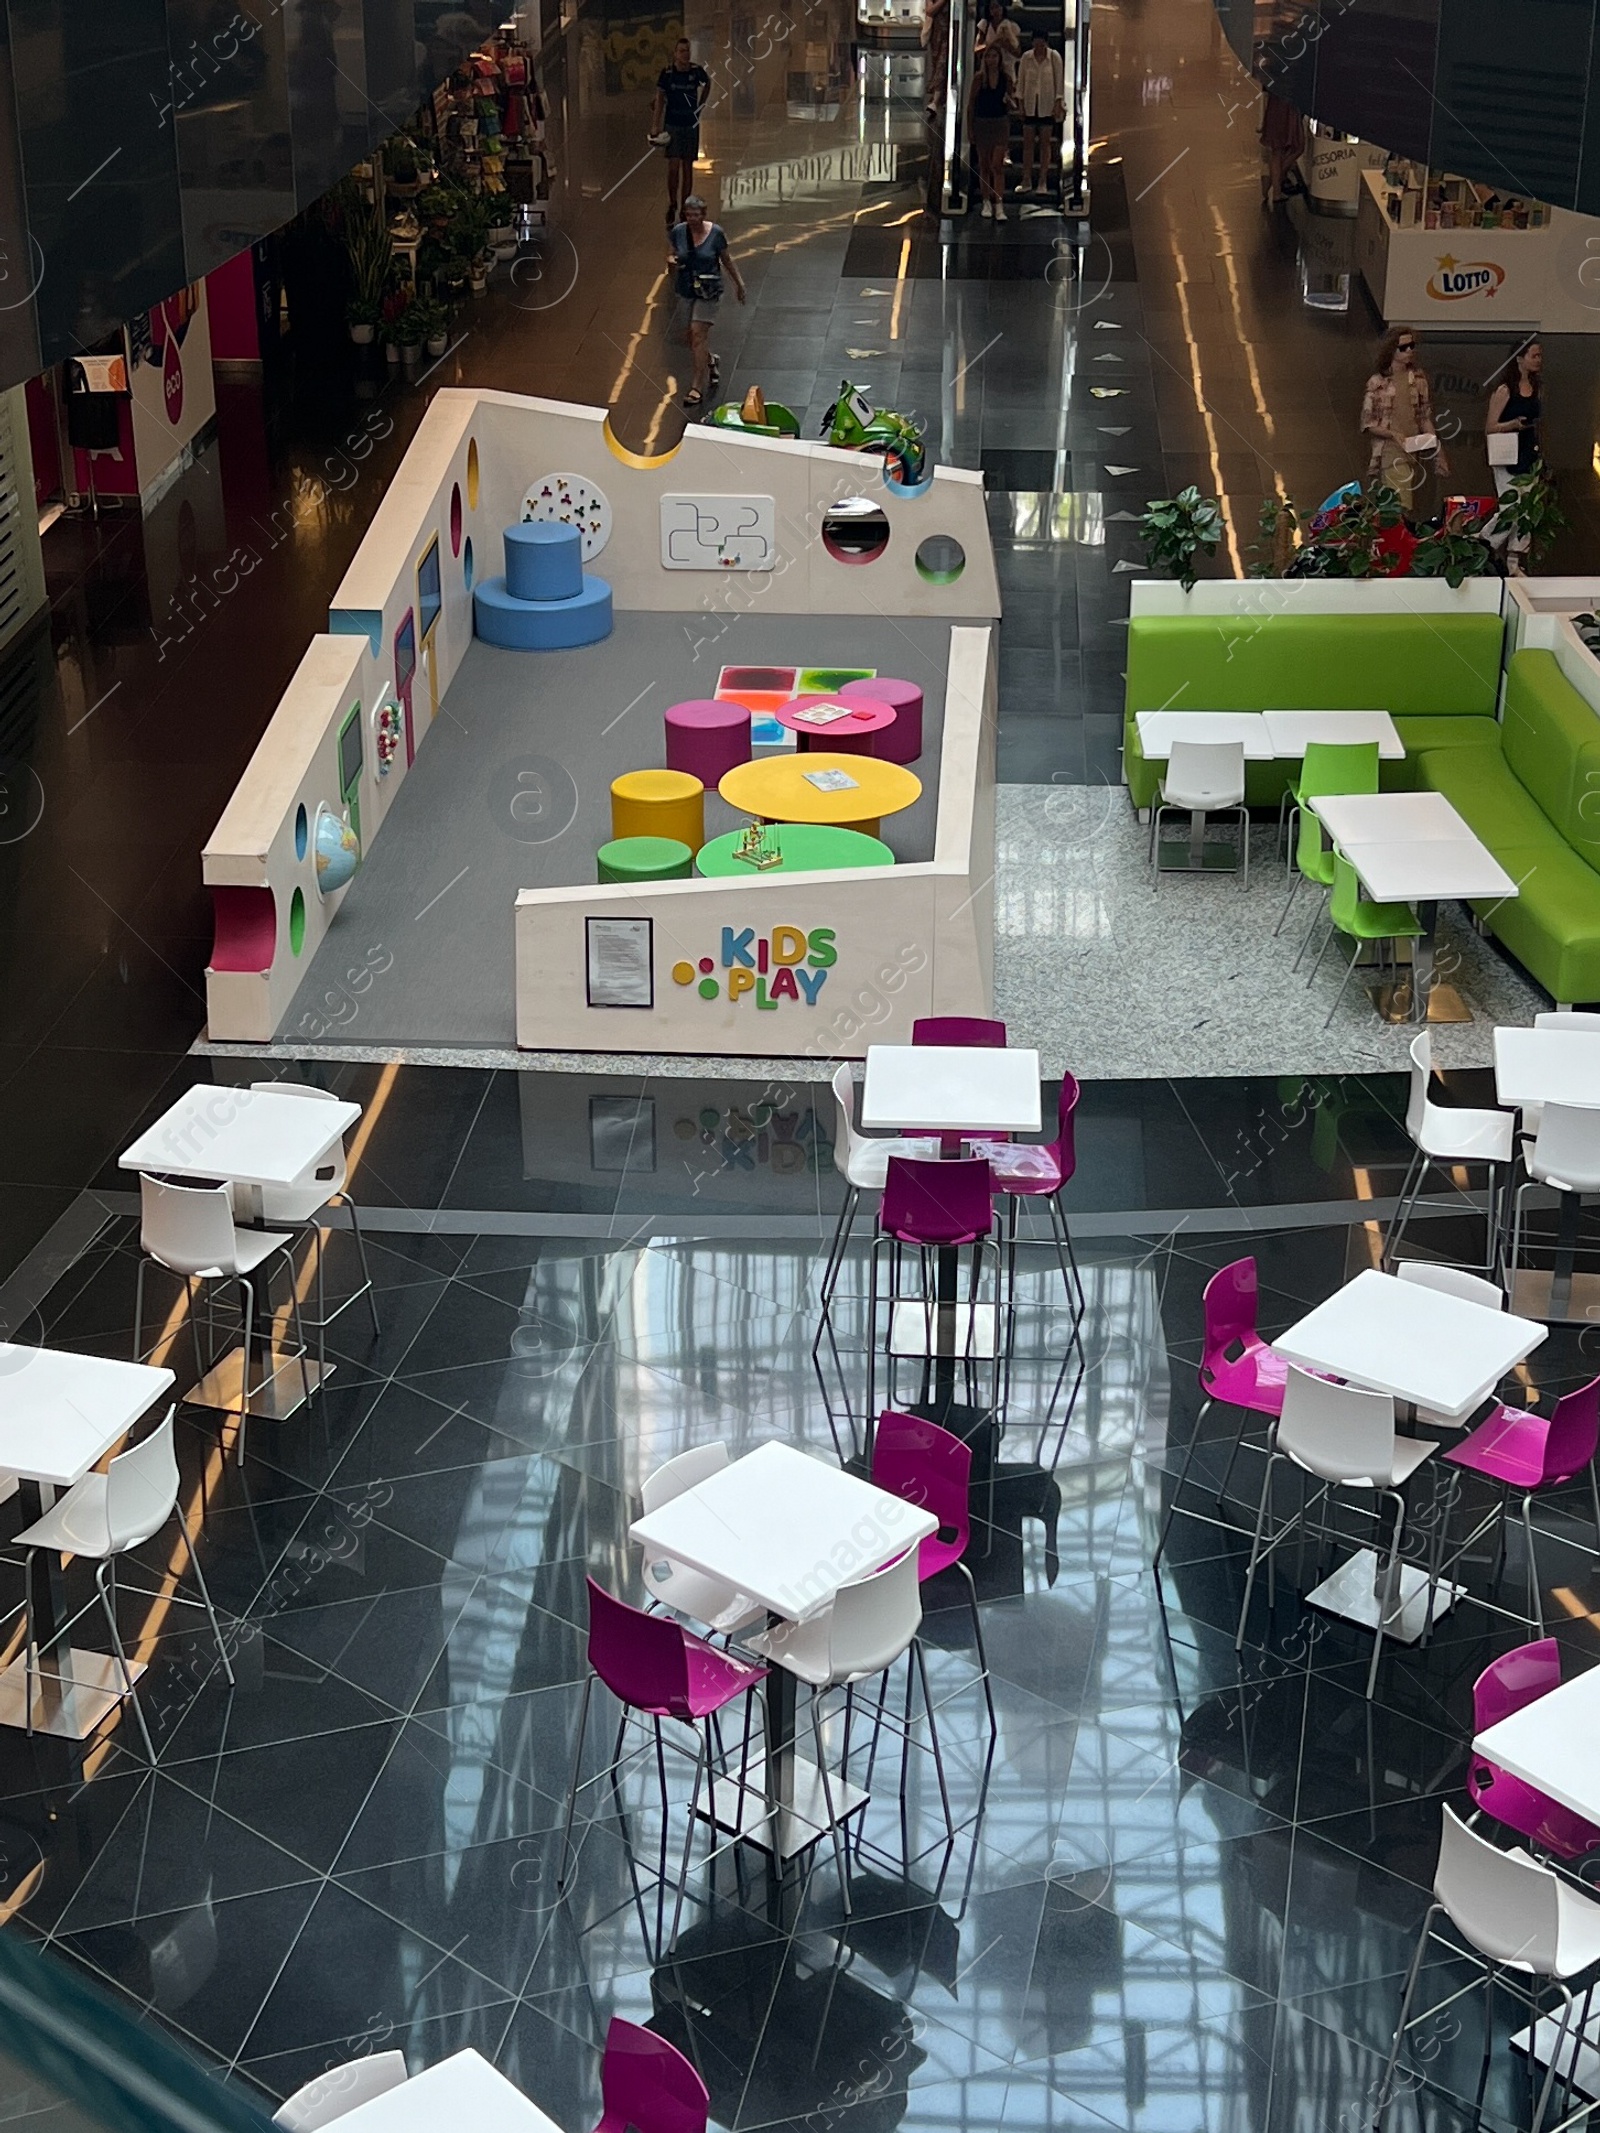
[807, 847]
[643, 859]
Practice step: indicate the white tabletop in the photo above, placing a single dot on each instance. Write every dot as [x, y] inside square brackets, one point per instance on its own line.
[60, 1412]
[1427, 871]
[1553, 1742]
[1289, 731]
[1388, 817]
[250, 1137]
[1547, 1066]
[950, 1088]
[786, 1528]
[462, 2094]
[1159, 729]
[1420, 1344]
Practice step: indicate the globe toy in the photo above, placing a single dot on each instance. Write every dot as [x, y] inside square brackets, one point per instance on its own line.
[337, 849]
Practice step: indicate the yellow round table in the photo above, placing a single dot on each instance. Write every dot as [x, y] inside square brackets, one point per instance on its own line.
[778, 789]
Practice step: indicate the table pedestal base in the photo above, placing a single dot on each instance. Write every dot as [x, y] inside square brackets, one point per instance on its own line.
[744, 1811]
[1531, 1297]
[74, 1692]
[1445, 1004]
[272, 1399]
[1580, 2054]
[1196, 853]
[1351, 1593]
[965, 1331]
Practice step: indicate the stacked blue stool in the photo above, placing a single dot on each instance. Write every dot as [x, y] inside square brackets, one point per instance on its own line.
[546, 601]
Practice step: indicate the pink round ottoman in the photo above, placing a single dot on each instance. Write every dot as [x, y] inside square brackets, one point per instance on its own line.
[901, 742]
[707, 738]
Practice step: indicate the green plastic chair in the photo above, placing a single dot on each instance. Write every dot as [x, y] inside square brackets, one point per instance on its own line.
[1329, 767]
[1353, 916]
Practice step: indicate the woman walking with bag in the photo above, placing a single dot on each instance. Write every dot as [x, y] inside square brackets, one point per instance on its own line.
[700, 253]
[1511, 429]
[1397, 415]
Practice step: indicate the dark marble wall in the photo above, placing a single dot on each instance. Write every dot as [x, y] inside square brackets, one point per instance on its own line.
[1497, 90]
[143, 142]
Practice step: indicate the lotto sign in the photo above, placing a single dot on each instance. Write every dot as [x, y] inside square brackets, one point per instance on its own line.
[1454, 279]
[788, 963]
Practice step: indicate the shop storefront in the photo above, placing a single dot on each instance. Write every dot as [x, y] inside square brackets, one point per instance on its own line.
[1438, 250]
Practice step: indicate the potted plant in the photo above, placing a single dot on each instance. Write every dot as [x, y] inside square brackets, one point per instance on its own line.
[433, 324]
[1277, 526]
[1454, 551]
[409, 329]
[363, 317]
[453, 272]
[1178, 530]
[395, 306]
[366, 241]
[1365, 536]
[404, 177]
[435, 205]
[1529, 513]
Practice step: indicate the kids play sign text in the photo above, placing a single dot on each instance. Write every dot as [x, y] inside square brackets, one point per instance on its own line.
[789, 963]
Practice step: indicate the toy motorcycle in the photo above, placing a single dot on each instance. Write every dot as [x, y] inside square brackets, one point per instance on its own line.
[767, 418]
[853, 425]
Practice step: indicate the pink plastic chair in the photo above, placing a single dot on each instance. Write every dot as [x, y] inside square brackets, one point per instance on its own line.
[926, 1465]
[657, 1668]
[934, 1208]
[1237, 1368]
[1508, 1684]
[959, 1029]
[1528, 1453]
[646, 2083]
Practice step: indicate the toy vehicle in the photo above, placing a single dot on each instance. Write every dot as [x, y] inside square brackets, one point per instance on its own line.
[852, 424]
[767, 418]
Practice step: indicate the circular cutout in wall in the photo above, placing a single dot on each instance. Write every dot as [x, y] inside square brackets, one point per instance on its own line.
[300, 831]
[455, 518]
[466, 562]
[855, 530]
[472, 473]
[941, 559]
[297, 921]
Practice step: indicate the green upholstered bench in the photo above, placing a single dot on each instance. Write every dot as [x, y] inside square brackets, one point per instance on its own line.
[1438, 676]
[1535, 801]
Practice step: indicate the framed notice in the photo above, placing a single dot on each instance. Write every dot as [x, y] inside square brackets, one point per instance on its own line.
[104, 374]
[621, 962]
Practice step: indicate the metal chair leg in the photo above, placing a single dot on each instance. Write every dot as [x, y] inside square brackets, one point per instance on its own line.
[126, 1671]
[933, 1734]
[205, 1594]
[1535, 1597]
[1183, 1476]
[30, 1648]
[366, 1271]
[1388, 1566]
[1402, 1213]
[977, 1634]
[138, 1312]
[244, 1365]
[841, 1858]
[1349, 973]
[1255, 1551]
[1294, 890]
[688, 1834]
[1386, 2082]
[562, 1875]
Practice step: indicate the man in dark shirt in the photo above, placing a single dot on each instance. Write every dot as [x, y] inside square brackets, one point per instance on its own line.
[681, 92]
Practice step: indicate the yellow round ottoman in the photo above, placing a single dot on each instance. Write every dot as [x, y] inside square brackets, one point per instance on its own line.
[659, 803]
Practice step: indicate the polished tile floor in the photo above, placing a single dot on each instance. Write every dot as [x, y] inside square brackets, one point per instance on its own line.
[1180, 1892]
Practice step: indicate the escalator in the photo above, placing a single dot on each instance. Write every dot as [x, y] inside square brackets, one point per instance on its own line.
[1065, 24]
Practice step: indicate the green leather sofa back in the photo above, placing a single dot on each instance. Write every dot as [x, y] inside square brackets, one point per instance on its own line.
[1395, 663]
[1551, 738]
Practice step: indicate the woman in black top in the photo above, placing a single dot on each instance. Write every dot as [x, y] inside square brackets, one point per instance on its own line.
[1515, 406]
[989, 110]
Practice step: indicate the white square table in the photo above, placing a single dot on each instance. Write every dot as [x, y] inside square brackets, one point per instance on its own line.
[1415, 848]
[251, 1138]
[461, 2094]
[789, 1530]
[951, 1089]
[1289, 732]
[59, 1414]
[1159, 729]
[1547, 1066]
[1430, 1350]
[1387, 817]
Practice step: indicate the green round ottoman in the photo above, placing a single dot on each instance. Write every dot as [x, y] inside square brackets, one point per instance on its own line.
[806, 848]
[644, 859]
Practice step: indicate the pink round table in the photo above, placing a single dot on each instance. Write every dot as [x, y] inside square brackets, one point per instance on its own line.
[707, 737]
[856, 735]
[903, 743]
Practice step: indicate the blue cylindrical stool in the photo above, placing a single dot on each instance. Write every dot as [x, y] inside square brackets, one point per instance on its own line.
[544, 562]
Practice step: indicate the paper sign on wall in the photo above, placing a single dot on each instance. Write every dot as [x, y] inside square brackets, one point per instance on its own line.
[718, 533]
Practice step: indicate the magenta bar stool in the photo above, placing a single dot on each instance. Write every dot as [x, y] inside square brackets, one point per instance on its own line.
[707, 738]
[902, 742]
[916, 1459]
[936, 1209]
[647, 2083]
[1508, 1684]
[975, 1030]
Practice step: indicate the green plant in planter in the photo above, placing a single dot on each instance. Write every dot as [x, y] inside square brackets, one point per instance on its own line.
[453, 271]
[436, 204]
[1176, 531]
[366, 239]
[431, 318]
[1452, 552]
[1277, 524]
[469, 225]
[407, 330]
[363, 311]
[1347, 547]
[1530, 511]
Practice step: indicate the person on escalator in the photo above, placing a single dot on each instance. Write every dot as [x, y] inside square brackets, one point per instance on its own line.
[1041, 91]
[995, 27]
[989, 109]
